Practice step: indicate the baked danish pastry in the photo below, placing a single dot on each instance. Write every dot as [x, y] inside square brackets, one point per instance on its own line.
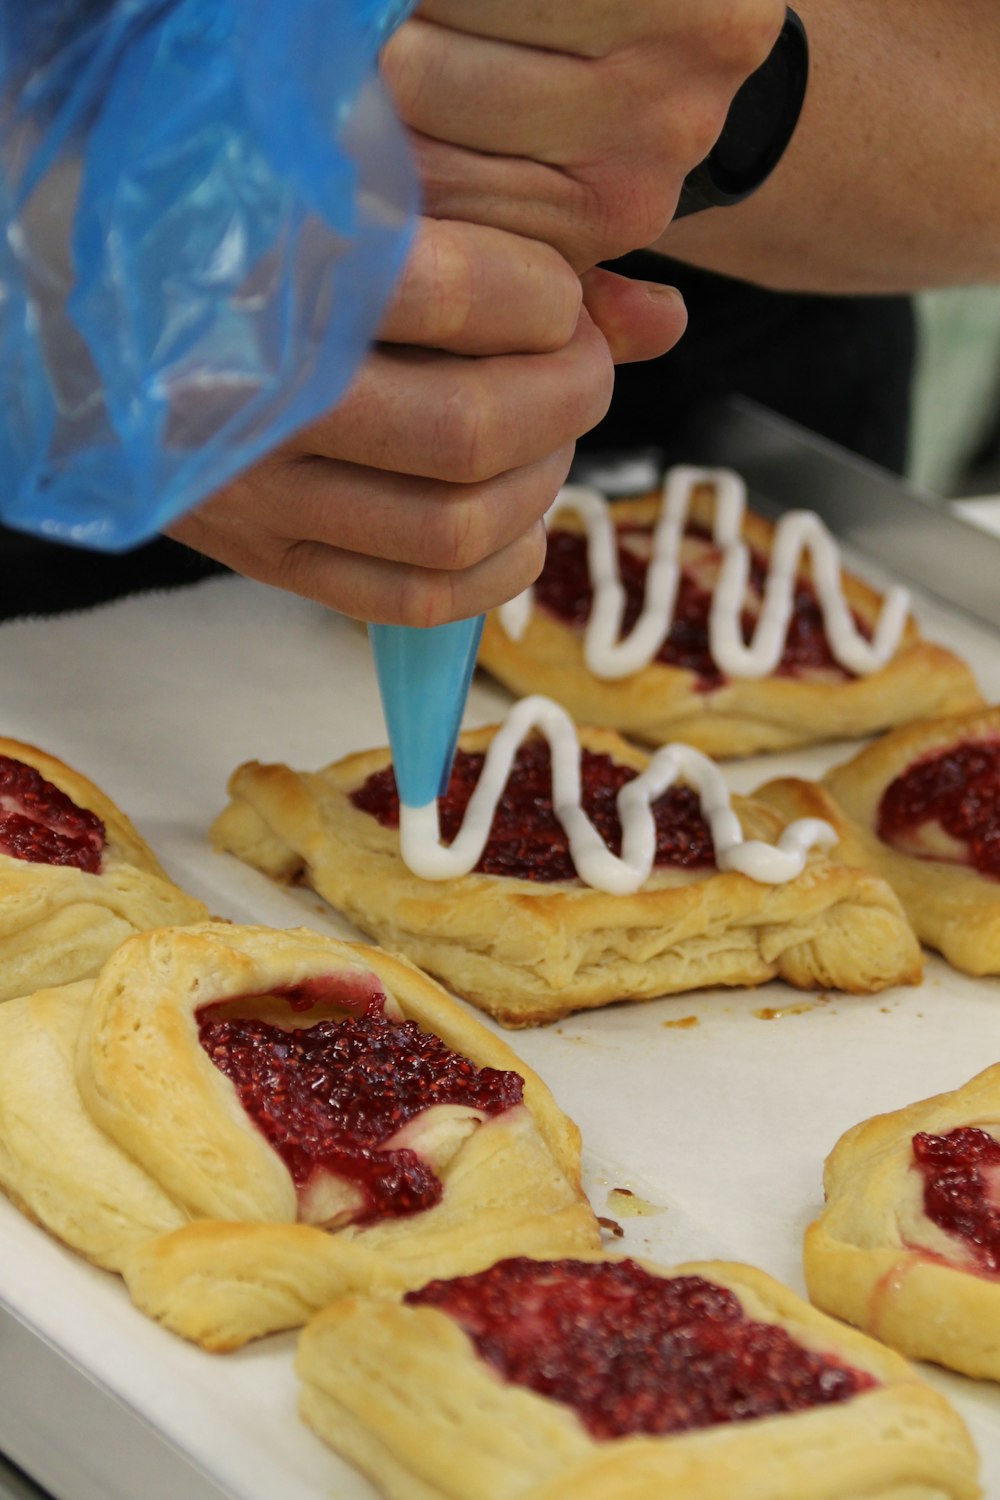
[521, 935]
[908, 1244]
[686, 616]
[75, 877]
[921, 808]
[247, 1123]
[587, 1378]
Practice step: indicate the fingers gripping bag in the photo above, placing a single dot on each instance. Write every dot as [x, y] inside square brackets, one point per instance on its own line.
[204, 205]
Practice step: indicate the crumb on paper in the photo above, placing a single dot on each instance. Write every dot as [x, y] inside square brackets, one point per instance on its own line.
[684, 1021]
[775, 1012]
[611, 1226]
[630, 1206]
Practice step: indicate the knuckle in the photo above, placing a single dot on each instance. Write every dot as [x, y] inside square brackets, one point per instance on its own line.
[596, 388]
[532, 554]
[537, 489]
[426, 599]
[646, 211]
[561, 299]
[300, 572]
[523, 562]
[558, 465]
[603, 210]
[458, 535]
[446, 285]
[627, 210]
[465, 438]
[745, 32]
[764, 25]
[699, 121]
[409, 66]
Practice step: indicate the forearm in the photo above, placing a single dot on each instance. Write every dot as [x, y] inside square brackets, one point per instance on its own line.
[892, 180]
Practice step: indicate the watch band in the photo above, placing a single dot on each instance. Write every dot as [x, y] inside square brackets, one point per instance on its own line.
[759, 125]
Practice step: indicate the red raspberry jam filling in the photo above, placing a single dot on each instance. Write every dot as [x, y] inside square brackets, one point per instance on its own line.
[959, 791]
[635, 1353]
[41, 824]
[526, 838]
[959, 1170]
[328, 1096]
[564, 589]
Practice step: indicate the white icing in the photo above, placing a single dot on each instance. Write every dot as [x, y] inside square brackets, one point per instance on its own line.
[798, 534]
[769, 864]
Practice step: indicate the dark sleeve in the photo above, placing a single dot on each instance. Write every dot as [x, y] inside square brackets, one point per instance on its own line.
[841, 366]
[42, 578]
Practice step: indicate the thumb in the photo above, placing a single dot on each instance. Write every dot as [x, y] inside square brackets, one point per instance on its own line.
[639, 319]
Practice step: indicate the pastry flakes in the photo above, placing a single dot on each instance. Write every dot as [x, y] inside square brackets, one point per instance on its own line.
[402, 1393]
[877, 1258]
[725, 716]
[122, 1137]
[951, 905]
[530, 951]
[59, 921]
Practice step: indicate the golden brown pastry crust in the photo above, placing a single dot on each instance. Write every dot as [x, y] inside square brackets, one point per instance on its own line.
[951, 907]
[662, 703]
[120, 1136]
[401, 1392]
[58, 924]
[529, 951]
[875, 1258]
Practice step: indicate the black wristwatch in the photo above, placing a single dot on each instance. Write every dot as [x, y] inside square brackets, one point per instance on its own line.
[759, 125]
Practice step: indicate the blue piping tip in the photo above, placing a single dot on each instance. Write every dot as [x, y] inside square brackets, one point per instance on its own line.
[423, 679]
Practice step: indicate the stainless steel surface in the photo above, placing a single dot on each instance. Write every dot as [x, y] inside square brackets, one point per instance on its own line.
[78, 1439]
[912, 532]
[14, 1485]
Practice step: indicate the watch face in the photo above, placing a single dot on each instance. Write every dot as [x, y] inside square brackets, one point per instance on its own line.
[759, 125]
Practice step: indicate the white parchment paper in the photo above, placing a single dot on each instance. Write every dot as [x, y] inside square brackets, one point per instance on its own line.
[722, 1124]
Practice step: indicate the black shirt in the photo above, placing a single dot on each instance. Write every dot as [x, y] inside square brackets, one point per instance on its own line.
[840, 366]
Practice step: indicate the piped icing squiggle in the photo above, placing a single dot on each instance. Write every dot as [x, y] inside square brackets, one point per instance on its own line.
[596, 865]
[798, 534]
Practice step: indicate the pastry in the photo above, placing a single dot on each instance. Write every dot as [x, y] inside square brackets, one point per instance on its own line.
[246, 1123]
[908, 1244]
[75, 877]
[521, 935]
[665, 655]
[921, 808]
[588, 1378]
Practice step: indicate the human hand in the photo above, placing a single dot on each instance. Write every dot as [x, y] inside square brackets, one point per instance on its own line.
[573, 122]
[418, 498]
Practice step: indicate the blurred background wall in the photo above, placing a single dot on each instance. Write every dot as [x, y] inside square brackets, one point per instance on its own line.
[955, 448]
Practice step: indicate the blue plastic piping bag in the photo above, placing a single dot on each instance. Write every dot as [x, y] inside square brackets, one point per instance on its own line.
[205, 205]
[424, 677]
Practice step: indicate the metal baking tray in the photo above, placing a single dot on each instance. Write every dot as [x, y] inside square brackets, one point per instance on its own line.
[786, 467]
[15, 1484]
[908, 529]
[719, 1125]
